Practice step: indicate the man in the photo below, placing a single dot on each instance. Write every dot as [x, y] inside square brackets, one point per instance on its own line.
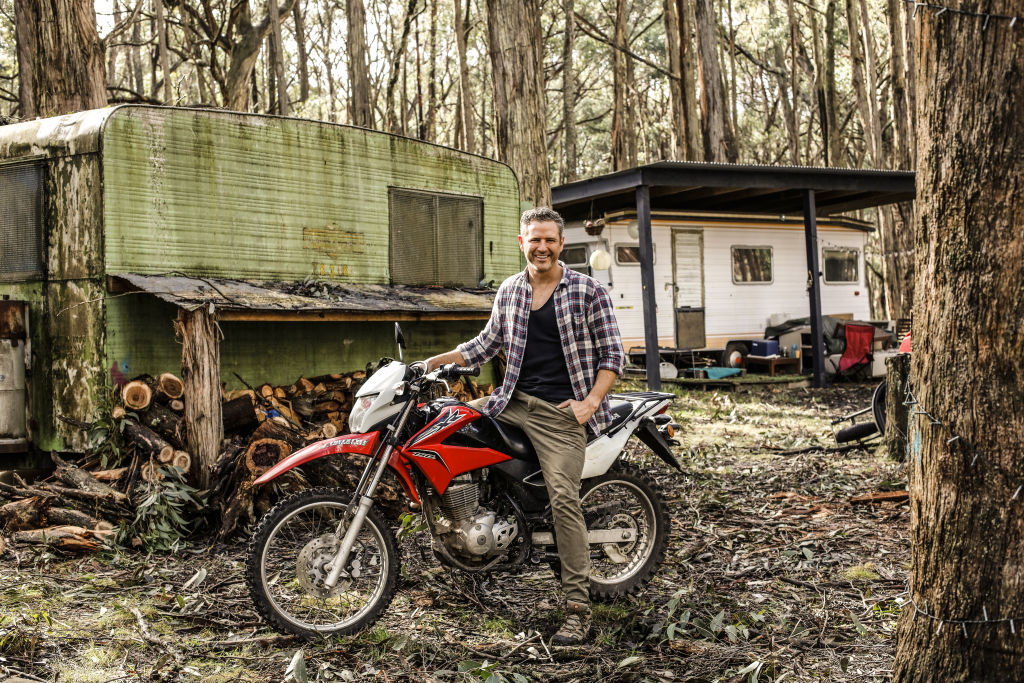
[558, 330]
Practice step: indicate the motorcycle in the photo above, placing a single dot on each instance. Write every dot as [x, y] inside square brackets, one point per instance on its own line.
[324, 561]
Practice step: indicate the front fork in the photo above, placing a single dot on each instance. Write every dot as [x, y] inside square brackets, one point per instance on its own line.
[364, 493]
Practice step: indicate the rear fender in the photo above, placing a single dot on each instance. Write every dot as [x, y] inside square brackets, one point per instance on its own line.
[648, 432]
[362, 444]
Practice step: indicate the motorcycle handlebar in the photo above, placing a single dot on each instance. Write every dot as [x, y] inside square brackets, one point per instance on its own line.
[455, 370]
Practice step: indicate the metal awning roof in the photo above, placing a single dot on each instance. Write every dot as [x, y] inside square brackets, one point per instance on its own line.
[736, 188]
[313, 301]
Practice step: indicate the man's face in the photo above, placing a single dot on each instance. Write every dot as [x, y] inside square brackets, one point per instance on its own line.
[541, 245]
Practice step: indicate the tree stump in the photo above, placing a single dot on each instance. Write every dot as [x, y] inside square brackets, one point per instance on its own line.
[897, 371]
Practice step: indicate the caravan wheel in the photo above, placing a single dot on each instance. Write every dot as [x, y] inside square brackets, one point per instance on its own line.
[733, 353]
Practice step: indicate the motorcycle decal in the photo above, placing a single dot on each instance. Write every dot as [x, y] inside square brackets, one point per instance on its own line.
[349, 442]
[362, 444]
[445, 419]
[430, 455]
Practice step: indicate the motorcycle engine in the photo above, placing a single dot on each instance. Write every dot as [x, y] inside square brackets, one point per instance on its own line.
[468, 529]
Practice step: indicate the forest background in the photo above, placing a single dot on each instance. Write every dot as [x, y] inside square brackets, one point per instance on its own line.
[590, 86]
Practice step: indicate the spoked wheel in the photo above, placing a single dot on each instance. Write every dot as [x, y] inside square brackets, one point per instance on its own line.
[624, 500]
[289, 559]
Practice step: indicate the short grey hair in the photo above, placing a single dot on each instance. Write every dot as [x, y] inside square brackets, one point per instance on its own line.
[541, 214]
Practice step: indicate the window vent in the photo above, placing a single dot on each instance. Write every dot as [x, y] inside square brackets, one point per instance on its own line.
[436, 239]
[21, 220]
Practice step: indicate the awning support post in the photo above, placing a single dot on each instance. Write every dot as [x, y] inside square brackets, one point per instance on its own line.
[643, 219]
[814, 288]
[200, 371]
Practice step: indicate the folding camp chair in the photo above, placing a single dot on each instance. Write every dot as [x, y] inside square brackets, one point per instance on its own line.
[857, 355]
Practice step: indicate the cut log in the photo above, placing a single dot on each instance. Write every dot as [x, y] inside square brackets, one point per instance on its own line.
[80, 479]
[304, 386]
[177, 405]
[264, 454]
[286, 412]
[328, 430]
[65, 517]
[304, 406]
[29, 513]
[147, 441]
[70, 538]
[276, 428]
[117, 412]
[136, 395]
[171, 386]
[110, 475]
[325, 407]
[265, 390]
[165, 422]
[150, 472]
[279, 392]
[239, 414]
[182, 460]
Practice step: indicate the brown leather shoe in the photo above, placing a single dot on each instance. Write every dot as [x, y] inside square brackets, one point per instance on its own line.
[576, 628]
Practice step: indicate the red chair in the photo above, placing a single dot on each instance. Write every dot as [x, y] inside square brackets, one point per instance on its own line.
[857, 354]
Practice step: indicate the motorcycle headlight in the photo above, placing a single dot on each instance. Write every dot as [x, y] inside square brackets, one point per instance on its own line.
[359, 410]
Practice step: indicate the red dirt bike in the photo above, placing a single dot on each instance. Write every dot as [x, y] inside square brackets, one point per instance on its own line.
[324, 561]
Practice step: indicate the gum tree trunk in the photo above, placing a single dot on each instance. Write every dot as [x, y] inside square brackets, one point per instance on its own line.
[360, 111]
[514, 40]
[60, 59]
[967, 530]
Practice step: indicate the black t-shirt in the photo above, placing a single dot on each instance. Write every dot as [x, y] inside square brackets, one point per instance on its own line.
[544, 373]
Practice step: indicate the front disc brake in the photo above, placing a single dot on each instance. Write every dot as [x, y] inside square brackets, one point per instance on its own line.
[314, 564]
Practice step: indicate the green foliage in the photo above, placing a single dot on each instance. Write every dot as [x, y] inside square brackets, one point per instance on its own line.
[163, 517]
[411, 523]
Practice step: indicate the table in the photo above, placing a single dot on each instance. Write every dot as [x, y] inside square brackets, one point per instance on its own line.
[773, 363]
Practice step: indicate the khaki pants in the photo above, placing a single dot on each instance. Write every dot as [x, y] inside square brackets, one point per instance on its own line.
[560, 442]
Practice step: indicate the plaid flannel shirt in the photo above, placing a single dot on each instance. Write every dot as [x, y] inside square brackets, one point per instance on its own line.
[586, 326]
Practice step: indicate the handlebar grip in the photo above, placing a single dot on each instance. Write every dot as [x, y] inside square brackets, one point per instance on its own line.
[455, 370]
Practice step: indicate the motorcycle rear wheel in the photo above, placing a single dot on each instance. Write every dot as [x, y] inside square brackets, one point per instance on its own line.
[288, 559]
[623, 499]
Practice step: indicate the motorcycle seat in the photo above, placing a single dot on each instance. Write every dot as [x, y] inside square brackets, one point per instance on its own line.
[516, 442]
[620, 412]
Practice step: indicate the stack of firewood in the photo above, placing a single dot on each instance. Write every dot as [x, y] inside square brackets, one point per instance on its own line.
[262, 424]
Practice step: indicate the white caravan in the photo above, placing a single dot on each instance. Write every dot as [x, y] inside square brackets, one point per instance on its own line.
[720, 280]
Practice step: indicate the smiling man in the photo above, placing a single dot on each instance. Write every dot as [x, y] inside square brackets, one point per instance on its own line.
[558, 330]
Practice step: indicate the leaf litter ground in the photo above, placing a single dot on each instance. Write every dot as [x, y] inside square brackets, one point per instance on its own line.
[771, 574]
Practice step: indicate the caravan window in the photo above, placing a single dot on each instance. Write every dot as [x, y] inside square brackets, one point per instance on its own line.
[841, 265]
[629, 254]
[436, 238]
[21, 220]
[575, 256]
[752, 265]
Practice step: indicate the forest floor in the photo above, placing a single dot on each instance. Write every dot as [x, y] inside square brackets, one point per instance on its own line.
[771, 574]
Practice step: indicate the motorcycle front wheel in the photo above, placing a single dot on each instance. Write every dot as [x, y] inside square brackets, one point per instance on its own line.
[290, 555]
[624, 500]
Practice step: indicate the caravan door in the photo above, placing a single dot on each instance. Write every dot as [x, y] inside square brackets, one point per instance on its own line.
[688, 281]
